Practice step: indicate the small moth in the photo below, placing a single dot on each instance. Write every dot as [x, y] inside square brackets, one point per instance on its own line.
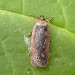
[40, 43]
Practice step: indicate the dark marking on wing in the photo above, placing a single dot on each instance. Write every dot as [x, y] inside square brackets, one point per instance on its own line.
[40, 45]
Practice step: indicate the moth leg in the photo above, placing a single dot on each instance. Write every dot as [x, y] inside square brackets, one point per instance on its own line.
[29, 34]
[51, 18]
[29, 53]
[34, 19]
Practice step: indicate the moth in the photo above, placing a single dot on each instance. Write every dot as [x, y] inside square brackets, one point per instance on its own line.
[40, 40]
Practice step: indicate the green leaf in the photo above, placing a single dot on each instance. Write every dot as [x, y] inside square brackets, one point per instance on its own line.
[15, 23]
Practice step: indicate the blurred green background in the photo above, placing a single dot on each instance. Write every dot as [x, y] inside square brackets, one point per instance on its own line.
[15, 22]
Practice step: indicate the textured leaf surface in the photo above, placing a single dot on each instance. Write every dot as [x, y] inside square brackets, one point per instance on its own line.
[15, 22]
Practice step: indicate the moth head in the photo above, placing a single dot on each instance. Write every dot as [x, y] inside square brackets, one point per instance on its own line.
[41, 18]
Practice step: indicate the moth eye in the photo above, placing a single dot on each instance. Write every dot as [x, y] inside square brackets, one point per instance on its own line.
[43, 18]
